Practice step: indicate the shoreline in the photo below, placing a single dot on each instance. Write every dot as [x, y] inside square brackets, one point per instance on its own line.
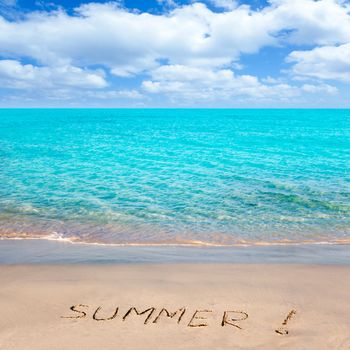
[144, 306]
[61, 252]
[191, 243]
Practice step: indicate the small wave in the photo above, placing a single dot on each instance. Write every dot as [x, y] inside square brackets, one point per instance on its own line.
[184, 243]
[37, 236]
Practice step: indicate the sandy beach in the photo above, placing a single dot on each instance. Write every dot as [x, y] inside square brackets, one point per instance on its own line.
[174, 306]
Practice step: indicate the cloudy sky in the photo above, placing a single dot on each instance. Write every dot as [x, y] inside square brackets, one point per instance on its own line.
[175, 53]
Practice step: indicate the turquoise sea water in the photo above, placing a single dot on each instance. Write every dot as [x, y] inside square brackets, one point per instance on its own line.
[164, 176]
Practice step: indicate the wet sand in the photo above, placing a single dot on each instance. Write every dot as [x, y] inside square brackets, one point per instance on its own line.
[219, 306]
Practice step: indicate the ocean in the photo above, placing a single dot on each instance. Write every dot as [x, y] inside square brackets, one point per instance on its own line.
[206, 177]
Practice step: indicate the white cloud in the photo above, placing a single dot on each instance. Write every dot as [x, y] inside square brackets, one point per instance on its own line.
[270, 80]
[169, 3]
[225, 4]
[189, 83]
[115, 94]
[130, 42]
[180, 82]
[323, 88]
[327, 62]
[320, 22]
[13, 74]
[61, 96]
[187, 51]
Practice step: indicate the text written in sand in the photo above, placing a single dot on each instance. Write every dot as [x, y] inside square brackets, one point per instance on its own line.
[151, 315]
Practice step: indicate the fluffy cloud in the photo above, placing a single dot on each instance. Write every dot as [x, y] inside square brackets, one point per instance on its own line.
[15, 75]
[192, 83]
[328, 62]
[115, 94]
[184, 83]
[130, 42]
[322, 22]
[323, 88]
[186, 51]
[168, 3]
[225, 4]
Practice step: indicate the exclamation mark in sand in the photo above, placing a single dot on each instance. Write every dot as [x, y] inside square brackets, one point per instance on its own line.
[283, 330]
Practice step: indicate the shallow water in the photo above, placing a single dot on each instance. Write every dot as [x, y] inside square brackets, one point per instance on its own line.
[205, 177]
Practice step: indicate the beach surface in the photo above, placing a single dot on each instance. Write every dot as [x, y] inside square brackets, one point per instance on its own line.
[219, 306]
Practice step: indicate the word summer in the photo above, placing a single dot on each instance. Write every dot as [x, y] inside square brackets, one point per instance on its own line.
[193, 319]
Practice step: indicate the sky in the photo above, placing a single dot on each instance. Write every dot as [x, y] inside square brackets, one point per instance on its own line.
[175, 53]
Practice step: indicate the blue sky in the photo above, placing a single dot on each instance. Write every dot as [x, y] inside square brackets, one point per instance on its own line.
[172, 53]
